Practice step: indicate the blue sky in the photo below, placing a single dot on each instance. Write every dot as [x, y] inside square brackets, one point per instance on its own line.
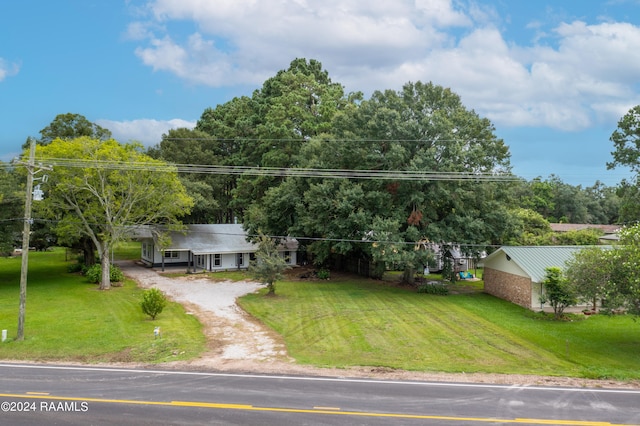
[554, 76]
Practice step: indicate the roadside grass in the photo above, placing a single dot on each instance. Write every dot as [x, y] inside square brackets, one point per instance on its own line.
[359, 322]
[69, 319]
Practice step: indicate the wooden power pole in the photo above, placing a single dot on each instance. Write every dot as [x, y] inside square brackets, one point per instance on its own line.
[31, 171]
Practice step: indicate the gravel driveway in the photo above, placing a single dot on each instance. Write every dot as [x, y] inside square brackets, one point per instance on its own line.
[233, 336]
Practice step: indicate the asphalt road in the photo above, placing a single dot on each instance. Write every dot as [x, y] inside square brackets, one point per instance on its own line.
[46, 394]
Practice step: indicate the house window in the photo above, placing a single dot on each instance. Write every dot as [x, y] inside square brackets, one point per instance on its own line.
[217, 260]
[171, 254]
[287, 256]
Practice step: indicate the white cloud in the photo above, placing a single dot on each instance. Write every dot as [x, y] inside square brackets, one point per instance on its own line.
[147, 131]
[585, 76]
[8, 69]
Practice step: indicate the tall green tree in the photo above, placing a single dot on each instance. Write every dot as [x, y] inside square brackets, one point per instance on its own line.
[269, 128]
[626, 143]
[423, 127]
[558, 201]
[102, 188]
[11, 211]
[590, 272]
[531, 228]
[211, 192]
[71, 126]
[67, 127]
[623, 290]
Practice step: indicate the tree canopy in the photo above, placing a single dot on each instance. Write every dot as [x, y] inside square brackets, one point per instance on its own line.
[301, 119]
[71, 126]
[11, 202]
[100, 189]
[626, 143]
[423, 127]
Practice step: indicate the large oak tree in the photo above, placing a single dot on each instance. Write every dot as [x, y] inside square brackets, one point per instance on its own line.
[422, 128]
[100, 189]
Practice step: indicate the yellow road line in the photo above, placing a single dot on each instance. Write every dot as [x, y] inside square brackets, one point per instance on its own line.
[317, 410]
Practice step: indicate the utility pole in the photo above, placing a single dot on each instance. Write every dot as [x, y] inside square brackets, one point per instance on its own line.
[31, 171]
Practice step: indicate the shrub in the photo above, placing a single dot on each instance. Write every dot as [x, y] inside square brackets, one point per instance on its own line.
[117, 276]
[434, 288]
[75, 267]
[153, 302]
[94, 274]
[324, 274]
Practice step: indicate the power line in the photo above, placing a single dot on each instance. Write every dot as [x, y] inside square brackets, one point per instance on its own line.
[282, 171]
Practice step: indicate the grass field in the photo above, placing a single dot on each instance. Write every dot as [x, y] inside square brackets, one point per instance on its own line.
[340, 322]
[363, 322]
[69, 319]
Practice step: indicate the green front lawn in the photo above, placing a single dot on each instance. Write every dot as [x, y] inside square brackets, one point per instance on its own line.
[68, 319]
[340, 322]
[363, 322]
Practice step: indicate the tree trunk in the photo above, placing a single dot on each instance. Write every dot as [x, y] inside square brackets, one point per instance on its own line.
[408, 276]
[88, 251]
[105, 283]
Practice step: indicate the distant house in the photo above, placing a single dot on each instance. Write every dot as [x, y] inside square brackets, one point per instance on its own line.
[211, 247]
[459, 260]
[516, 273]
[609, 232]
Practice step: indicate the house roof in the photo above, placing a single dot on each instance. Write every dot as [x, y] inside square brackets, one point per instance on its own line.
[533, 260]
[566, 227]
[211, 238]
[217, 239]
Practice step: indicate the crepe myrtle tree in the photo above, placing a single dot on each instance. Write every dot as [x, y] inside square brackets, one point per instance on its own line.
[559, 292]
[100, 189]
[268, 265]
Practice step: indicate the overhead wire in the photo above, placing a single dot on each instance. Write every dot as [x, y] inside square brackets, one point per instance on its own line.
[280, 171]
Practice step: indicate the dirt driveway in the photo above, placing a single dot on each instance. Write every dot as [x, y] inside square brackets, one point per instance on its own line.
[239, 343]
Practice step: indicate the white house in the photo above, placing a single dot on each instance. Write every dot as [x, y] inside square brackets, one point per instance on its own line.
[212, 247]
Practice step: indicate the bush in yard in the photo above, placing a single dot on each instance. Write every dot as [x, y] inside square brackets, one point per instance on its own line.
[94, 274]
[324, 274]
[117, 276]
[559, 292]
[434, 288]
[75, 267]
[153, 302]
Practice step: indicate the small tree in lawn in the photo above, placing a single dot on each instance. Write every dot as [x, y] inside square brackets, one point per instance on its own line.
[153, 302]
[268, 264]
[560, 293]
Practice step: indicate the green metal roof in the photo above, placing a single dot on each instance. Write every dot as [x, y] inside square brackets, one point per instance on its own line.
[535, 259]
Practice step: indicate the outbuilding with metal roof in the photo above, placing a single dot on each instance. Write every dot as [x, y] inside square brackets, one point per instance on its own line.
[516, 273]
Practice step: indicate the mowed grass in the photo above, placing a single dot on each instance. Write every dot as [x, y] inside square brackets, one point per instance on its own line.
[367, 323]
[69, 319]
